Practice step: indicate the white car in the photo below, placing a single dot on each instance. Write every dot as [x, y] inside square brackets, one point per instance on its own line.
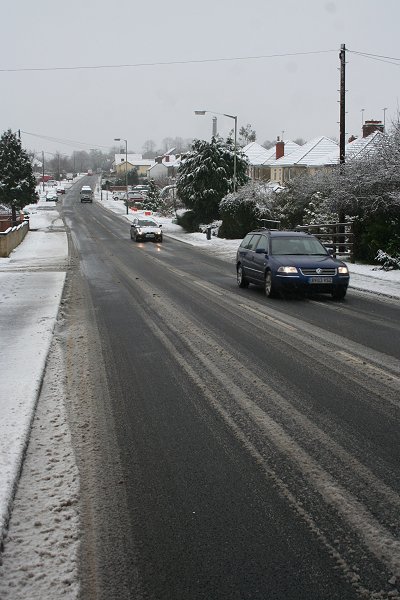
[51, 196]
[145, 228]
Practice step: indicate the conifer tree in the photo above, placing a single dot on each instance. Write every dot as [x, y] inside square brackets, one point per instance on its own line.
[205, 176]
[17, 183]
[153, 196]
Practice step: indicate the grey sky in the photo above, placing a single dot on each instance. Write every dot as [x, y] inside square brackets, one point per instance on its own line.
[295, 94]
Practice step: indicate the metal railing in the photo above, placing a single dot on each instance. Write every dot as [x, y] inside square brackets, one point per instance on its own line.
[338, 236]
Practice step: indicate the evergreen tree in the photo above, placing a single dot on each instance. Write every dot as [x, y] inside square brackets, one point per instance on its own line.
[153, 196]
[17, 182]
[205, 176]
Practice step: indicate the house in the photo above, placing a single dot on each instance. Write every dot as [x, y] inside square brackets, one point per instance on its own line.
[306, 159]
[165, 166]
[356, 148]
[260, 158]
[135, 161]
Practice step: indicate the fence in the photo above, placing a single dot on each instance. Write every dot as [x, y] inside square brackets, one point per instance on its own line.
[338, 236]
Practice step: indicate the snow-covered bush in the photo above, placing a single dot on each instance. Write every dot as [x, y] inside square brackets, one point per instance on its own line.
[242, 211]
[388, 262]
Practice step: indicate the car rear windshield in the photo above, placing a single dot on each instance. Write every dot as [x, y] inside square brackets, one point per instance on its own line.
[147, 223]
[297, 245]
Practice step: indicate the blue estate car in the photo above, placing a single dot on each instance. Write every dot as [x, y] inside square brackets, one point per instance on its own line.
[289, 260]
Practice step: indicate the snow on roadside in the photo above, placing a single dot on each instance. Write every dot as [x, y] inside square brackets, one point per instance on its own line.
[31, 285]
[41, 551]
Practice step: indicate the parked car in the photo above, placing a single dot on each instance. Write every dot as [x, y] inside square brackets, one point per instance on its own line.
[135, 196]
[289, 261]
[60, 189]
[144, 228]
[52, 196]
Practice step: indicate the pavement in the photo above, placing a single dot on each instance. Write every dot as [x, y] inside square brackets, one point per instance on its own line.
[31, 286]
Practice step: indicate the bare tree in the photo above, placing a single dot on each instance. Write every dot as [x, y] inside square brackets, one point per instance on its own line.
[246, 135]
[149, 148]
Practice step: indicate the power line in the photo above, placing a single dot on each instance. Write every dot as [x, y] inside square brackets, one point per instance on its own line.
[385, 59]
[162, 63]
[64, 141]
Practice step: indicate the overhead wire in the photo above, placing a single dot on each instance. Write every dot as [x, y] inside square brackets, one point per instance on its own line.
[162, 63]
[63, 141]
[377, 57]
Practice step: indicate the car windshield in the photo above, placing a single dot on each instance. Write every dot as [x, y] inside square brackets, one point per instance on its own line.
[297, 245]
[147, 223]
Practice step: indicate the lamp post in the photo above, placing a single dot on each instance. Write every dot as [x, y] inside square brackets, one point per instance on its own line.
[362, 117]
[213, 112]
[126, 168]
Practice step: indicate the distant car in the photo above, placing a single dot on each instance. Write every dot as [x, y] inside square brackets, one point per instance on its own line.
[86, 194]
[135, 196]
[51, 196]
[289, 261]
[60, 189]
[144, 228]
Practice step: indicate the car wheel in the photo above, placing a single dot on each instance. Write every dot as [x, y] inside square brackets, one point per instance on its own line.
[339, 293]
[136, 238]
[241, 279]
[269, 285]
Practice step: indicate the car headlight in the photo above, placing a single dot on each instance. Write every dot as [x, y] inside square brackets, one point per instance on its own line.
[343, 271]
[138, 230]
[287, 270]
[158, 232]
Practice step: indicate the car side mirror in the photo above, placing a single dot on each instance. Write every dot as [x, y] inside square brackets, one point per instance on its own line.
[330, 251]
[260, 251]
[160, 225]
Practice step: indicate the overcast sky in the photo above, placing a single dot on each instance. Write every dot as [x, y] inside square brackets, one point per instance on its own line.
[296, 93]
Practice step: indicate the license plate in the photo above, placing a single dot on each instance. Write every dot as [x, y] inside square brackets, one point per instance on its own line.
[150, 234]
[320, 280]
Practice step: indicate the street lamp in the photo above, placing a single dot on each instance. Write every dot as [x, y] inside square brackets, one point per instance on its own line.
[213, 112]
[126, 167]
[362, 117]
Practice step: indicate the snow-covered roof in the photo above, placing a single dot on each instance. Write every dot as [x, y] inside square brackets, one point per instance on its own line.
[133, 159]
[311, 154]
[255, 153]
[289, 148]
[173, 161]
[258, 155]
[355, 148]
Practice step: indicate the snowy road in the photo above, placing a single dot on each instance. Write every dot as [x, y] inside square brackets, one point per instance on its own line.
[228, 446]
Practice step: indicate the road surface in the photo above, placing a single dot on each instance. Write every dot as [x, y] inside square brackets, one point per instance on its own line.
[229, 446]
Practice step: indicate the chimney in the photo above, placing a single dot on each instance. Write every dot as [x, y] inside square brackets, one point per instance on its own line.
[371, 126]
[279, 148]
[158, 159]
[166, 158]
[352, 138]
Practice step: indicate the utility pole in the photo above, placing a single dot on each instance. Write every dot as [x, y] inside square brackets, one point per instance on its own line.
[43, 170]
[342, 136]
[342, 125]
